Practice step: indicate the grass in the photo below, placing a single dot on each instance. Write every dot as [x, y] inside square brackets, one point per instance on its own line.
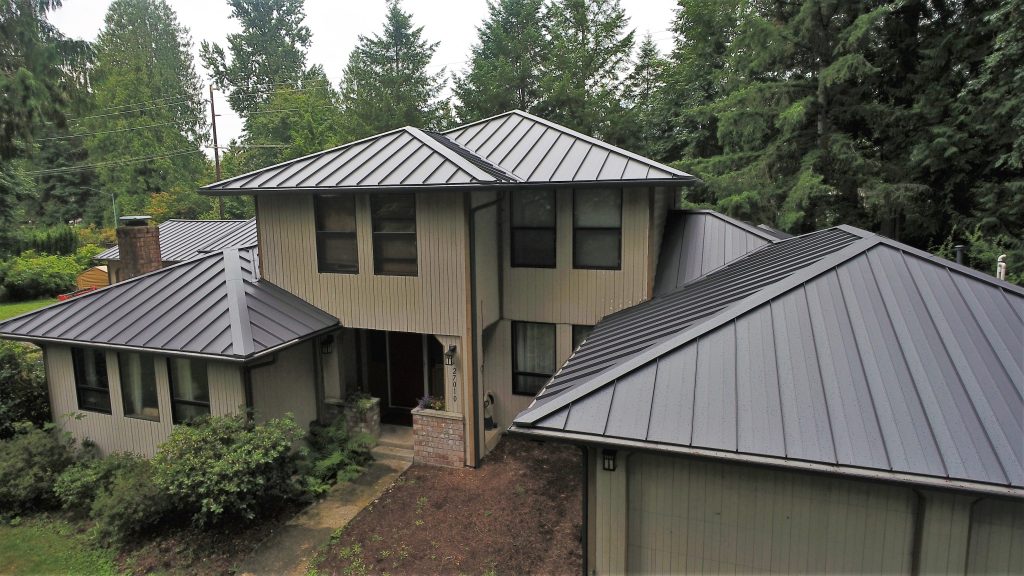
[46, 546]
[12, 309]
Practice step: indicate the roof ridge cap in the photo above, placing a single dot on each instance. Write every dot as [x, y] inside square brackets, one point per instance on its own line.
[238, 309]
[461, 162]
[658, 349]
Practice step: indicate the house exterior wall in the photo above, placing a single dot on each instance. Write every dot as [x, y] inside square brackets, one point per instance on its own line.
[115, 432]
[670, 514]
[287, 386]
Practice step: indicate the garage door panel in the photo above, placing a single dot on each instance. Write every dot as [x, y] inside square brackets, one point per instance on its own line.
[701, 517]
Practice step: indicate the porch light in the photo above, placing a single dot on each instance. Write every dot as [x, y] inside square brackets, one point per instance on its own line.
[608, 460]
[449, 356]
[327, 345]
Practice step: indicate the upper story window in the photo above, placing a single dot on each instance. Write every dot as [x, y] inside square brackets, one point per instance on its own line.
[597, 229]
[190, 389]
[138, 385]
[336, 244]
[533, 228]
[394, 234]
[533, 356]
[91, 387]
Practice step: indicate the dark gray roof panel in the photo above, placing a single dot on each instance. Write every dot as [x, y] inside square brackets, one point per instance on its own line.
[213, 305]
[878, 357]
[697, 242]
[182, 240]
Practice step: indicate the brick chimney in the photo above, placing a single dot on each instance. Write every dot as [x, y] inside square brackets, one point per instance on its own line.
[139, 246]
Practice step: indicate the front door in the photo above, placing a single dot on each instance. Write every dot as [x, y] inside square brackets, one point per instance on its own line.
[405, 367]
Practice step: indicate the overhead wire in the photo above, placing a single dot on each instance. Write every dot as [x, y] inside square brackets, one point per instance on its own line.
[119, 162]
[128, 129]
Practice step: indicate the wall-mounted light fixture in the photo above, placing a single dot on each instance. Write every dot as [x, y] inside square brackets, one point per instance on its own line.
[327, 345]
[449, 356]
[608, 460]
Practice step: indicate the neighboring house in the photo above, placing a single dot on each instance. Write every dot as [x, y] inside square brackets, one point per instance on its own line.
[93, 277]
[207, 336]
[835, 402]
[178, 241]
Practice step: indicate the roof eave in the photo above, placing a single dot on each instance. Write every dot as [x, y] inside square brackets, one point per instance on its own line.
[502, 185]
[773, 462]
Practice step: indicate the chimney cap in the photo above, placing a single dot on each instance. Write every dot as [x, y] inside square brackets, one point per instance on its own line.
[140, 220]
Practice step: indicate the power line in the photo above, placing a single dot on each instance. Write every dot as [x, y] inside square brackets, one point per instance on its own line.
[129, 129]
[133, 104]
[291, 109]
[130, 111]
[123, 161]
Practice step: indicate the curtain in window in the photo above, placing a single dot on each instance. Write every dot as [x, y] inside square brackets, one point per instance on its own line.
[534, 356]
[138, 386]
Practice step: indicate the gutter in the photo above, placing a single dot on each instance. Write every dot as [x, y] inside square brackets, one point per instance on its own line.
[496, 185]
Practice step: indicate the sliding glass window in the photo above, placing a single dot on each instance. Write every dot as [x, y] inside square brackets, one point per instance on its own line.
[394, 234]
[597, 229]
[336, 244]
[533, 228]
[190, 389]
[91, 387]
[533, 356]
[138, 386]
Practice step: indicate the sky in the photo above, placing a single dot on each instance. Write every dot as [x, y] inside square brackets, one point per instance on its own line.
[336, 25]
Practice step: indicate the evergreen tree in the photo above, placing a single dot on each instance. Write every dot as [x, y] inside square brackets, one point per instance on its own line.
[268, 54]
[588, 53]
[505, 62]
[143, 55]
[644, 126]
[386, 84]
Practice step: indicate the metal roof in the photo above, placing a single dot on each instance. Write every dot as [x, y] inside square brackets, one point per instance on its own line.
[182, 240]
[212, 306]
[877, 360]
[697, 242]
[513, 149]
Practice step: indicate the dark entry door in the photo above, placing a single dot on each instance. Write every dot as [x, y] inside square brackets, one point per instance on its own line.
[405, 362]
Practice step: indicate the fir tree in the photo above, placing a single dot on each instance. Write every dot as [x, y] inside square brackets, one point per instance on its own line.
[645, 125]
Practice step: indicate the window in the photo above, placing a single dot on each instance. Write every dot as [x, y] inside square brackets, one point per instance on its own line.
[533, 356]
[91, 388]
[190, 390]
[336, 245]
[579, 334]
[138, 385]
[394, 234]
[533, 228]
[597, 229]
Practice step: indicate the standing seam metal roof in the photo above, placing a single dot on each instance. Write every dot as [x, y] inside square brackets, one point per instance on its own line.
[879, 358]
[182, 240]
[213, 306]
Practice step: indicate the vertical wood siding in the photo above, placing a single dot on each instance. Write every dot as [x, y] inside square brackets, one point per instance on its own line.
[997, 537]
[696, 516]
[568, 296]
[434, 302]
[116, 432]
[287, 386]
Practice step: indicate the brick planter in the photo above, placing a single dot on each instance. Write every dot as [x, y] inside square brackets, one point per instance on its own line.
[439, 438]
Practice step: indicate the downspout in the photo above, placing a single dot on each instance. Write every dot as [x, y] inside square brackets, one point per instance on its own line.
[586, 505]
[474, 314]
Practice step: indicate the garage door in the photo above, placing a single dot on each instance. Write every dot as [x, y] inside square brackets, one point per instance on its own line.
[696, 517]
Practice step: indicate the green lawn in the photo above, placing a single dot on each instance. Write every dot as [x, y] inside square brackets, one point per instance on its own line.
[12, 309]
[46, 546]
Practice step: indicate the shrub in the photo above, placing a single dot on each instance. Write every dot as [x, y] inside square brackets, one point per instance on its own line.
[23, 396]
[78, 486]
[226, 466]
[30, 463]
[85, 254]
[33, 275]
[333, 456]
[130, 502]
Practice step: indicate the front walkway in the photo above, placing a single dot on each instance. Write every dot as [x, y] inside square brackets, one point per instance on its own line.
[290, 549]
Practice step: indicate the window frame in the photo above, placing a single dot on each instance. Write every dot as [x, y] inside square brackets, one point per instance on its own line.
[321, 266]
[156, 387]
[513, 230]
[375, 234]
[515, 369]
[588, 327]
[175, 400]
[576, 228]
[75, 370]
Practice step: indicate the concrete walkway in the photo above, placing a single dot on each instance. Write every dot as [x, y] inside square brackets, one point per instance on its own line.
[290, 549]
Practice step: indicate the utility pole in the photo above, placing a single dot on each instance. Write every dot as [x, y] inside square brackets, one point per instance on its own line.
[216, 149]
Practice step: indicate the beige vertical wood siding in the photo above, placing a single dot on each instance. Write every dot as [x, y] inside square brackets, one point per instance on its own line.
[286, 386]
[693, 516]
[945, 532]
[487, 265]
[997, 537]
[434, 302]
[568, 296]
[116, 432]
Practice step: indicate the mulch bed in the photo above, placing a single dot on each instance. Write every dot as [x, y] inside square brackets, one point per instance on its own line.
[518, 513]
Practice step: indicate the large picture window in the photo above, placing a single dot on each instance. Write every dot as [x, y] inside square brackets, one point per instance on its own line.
[597, 229]
[533, 228]
[533, 356]
[91, 387]
[394, 234]
[336, 244]
[138, 385]
[190, 389]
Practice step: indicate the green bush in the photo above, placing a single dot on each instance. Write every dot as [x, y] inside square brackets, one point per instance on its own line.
[85, 254]
[130, 502]
[30, 463]
[226, 466]
[33, 275]
[23, 396]
[333, 456]
[78, 486]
